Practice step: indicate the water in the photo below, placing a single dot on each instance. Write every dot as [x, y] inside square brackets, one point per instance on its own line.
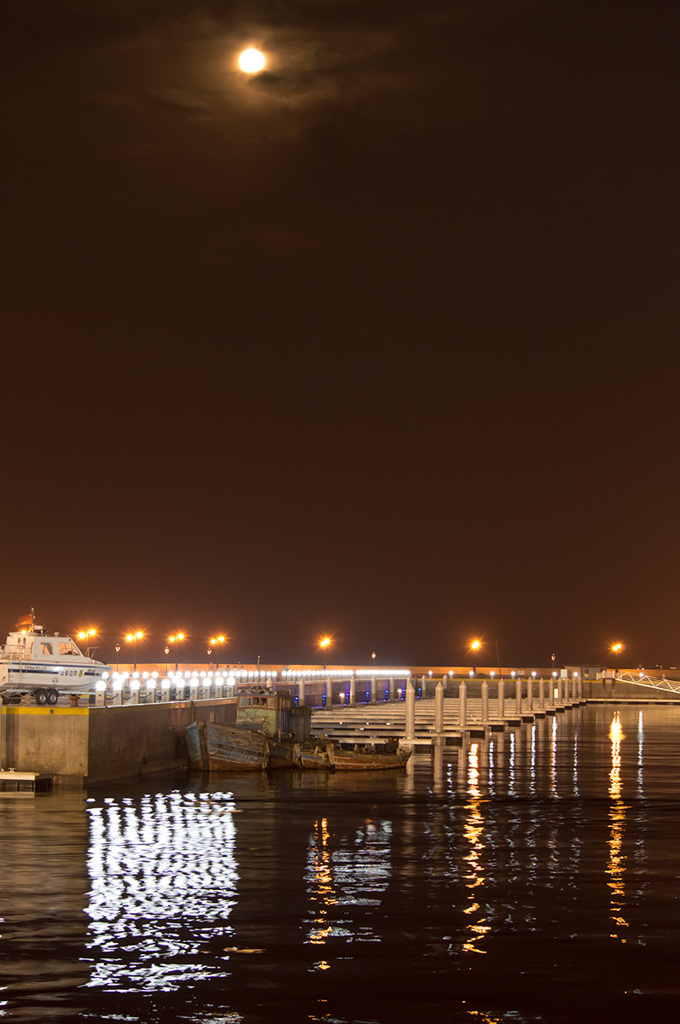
[532, 878]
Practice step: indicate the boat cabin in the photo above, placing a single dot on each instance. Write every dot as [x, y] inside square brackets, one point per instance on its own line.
[37, 645]
[259, 707]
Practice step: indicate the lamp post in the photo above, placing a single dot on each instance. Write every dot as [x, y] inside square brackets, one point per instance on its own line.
[325, 645]
[616, 649]
[87, 634]
[216, 641]
[132, 638]
[176, 638]
[476, 645]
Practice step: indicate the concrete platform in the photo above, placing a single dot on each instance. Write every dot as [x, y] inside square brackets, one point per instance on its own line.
[97, 744]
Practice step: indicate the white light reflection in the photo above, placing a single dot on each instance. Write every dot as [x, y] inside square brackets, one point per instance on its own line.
[641, 739]
[553, 758]
[163, 880]
[474, 877]
[511, 765]
[347, 881]
[616, 866]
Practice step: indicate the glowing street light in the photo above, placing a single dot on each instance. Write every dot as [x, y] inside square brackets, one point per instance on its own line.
[325, 645]
[477, 644]
[87, 634]
[176, 638]
[132, 638]
[216, 641]
[616, 649]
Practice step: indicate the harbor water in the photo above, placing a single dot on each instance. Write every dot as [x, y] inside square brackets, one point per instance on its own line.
[532, 876]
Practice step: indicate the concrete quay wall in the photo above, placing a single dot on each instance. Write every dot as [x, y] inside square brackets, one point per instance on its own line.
[99, 744]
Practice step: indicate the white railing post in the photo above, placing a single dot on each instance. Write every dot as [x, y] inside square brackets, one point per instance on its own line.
[462, 704]
[410, 731]
[439, 708]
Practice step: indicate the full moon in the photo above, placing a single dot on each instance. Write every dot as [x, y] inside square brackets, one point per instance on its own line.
[251, 61]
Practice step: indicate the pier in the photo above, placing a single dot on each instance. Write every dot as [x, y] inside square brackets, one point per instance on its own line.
[134, 723]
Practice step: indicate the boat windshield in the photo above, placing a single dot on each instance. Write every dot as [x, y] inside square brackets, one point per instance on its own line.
[68, 647]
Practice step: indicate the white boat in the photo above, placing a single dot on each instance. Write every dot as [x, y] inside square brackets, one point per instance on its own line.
[45, 664]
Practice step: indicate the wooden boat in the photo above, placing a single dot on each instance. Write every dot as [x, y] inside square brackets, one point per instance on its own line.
[313, 758]
[261, 739]
[282, 754]
[223, 748]
[358, 760]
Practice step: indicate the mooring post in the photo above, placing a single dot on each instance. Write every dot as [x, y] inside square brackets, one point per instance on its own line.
[485, 701]
[329, 692]
[301, 691]
[501, 698]
[462, 704]
[541, 693]
[352, 689]
[530, 691]
[518, 695]
[410, 730]
[560, 690]
[439, 708]
[390, 685]
[373, 690]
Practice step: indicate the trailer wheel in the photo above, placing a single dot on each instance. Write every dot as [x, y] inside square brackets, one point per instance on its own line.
[52, 696]
[40, 696]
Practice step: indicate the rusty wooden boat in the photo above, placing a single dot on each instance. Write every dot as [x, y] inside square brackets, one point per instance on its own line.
[361, 760]
[224, 748]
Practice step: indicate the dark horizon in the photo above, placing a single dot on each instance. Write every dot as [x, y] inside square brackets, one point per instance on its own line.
[380, 343]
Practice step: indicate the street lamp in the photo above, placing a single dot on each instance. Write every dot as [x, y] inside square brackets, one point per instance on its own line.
[87, 634]
[132, 638]
[176, 638]
[476, 645]
[616, 649]
[216, 641]
[325, 645]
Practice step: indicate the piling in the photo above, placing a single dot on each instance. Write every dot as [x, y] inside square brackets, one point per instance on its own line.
[410, 730]
[462, 704]
[439, 708]
[485, 701]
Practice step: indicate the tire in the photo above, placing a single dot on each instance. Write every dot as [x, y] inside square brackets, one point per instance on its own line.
[52, 696]
[40, 696]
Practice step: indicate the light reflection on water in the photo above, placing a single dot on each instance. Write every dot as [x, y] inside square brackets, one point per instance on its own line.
[549, 849]
[163, 879]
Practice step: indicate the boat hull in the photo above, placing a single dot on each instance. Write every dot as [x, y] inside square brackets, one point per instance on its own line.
[214, 747]
[223, 748]
[360, 761]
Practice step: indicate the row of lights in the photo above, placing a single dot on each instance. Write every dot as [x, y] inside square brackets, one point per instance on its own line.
[476, 645]
[136, 635]
[325, 643]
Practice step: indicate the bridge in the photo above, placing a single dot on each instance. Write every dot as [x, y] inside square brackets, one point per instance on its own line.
[640, 679]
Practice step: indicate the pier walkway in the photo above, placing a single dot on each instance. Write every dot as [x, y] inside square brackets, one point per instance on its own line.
[418, 723]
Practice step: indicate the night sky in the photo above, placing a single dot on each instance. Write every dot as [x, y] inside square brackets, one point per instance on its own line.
[382, 342]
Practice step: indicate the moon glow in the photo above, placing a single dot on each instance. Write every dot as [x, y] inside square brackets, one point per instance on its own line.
[251, 61]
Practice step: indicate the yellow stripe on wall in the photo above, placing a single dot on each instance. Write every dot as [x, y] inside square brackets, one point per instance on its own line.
[45, 711]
